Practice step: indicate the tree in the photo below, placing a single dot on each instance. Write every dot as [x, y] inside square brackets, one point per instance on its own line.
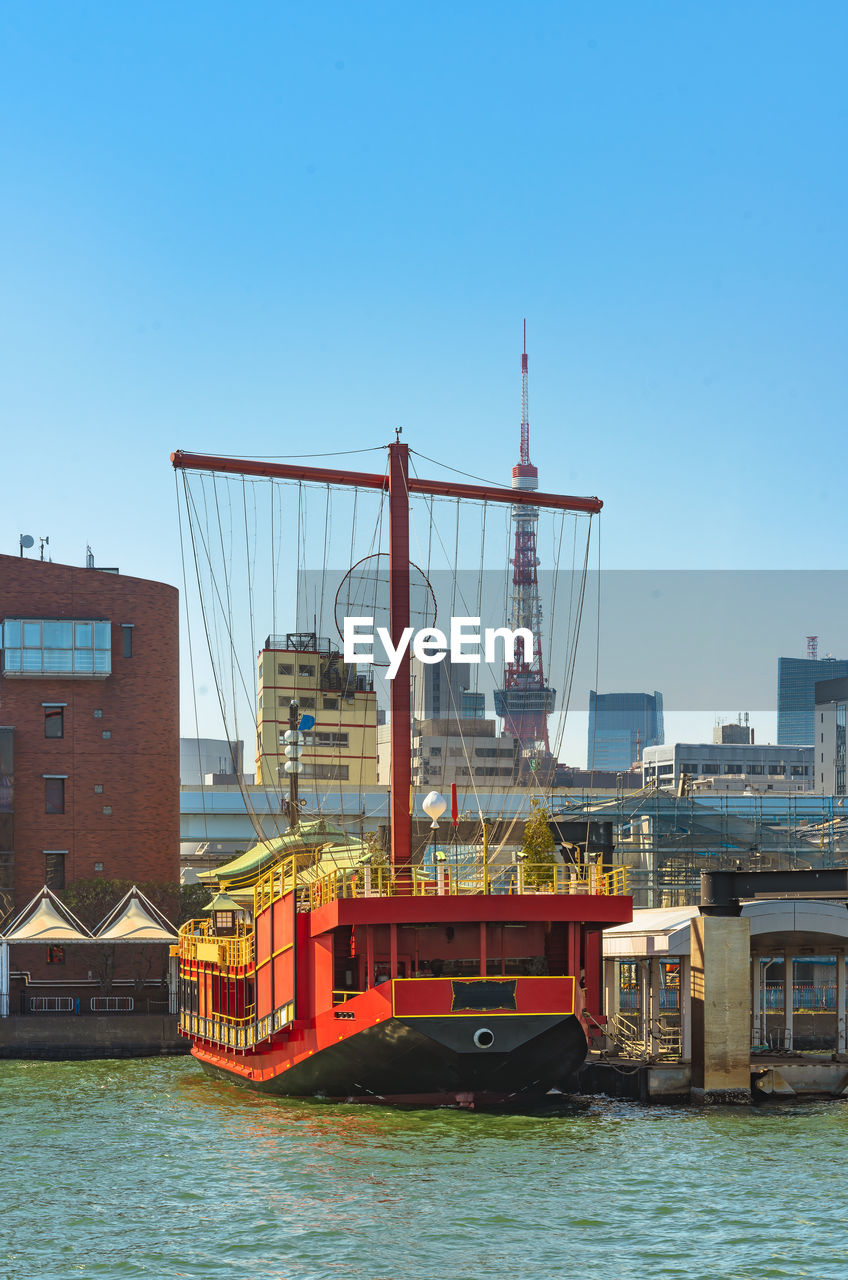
[537, 846]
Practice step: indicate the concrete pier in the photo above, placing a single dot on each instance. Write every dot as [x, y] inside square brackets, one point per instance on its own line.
[721, 1017]
[57, 1038]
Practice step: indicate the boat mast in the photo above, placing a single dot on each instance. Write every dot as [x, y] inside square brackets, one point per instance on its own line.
[400, 728]
[399, 484]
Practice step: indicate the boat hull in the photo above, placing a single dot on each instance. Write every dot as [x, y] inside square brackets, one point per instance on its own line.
[432, 1061]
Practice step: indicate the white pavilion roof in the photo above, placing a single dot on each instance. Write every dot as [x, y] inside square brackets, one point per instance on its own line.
[46, 919]
[135, 919]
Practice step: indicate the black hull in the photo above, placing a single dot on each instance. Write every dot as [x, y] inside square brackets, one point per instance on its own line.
[435, 1062]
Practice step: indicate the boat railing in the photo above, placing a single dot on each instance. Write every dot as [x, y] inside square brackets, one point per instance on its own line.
[316, 890]
[198, 941]
[233, 1033]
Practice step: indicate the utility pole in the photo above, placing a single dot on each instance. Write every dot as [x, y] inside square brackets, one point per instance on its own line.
[293, 765]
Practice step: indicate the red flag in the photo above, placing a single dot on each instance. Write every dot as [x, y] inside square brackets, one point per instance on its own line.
[454, 805]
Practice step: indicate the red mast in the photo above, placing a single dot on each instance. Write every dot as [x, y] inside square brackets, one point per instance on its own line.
[526, 701]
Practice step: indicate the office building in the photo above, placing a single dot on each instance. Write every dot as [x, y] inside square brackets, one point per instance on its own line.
[796, 684]
[831, 704]
[621, 726]
[341, 746]
[711, 766]
[210, 761]
[467, 752]
[444, 691]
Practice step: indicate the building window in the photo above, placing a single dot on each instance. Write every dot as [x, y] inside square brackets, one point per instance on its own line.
[98, 713]
[127, 636]
[308, 702]
[284, 668]
[306, 669]
[98, 866]
[331, 704]
[107, 733]
[777, 769]
[317, 738]
[54, 722]
[756, 768]
[107, 808]
[55, 955]
[733, 768]
[98, 788]
[326, 772]
[54, 795]
[54, 868]
[55, 646]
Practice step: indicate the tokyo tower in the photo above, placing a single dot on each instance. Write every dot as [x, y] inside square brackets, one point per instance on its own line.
[526, 700]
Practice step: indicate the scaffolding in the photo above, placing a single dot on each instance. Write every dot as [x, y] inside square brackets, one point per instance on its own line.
[666, 840]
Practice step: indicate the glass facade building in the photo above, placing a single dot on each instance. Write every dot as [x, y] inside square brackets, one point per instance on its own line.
[621, 725]
[796, 695]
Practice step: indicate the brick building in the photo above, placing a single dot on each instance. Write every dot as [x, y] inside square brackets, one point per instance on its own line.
[89, 728]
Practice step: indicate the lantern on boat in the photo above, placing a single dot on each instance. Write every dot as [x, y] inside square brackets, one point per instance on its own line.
[434, 805]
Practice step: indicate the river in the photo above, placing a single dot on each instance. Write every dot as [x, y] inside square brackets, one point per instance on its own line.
[146, 1168]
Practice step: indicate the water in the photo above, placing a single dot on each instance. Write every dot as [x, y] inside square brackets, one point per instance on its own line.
[147, 1168]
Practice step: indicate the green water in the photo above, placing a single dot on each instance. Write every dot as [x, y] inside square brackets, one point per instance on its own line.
[147, 1168]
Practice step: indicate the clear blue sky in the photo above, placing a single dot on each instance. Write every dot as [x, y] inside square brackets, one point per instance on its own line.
[285, 228]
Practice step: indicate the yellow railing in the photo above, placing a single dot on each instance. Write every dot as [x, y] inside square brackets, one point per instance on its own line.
[379, 882]
[198, 941]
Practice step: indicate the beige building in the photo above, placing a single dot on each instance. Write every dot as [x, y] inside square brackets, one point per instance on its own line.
[342, 746]
[441, 754]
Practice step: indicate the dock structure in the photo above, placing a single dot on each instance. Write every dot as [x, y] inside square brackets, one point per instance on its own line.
[723, 1007]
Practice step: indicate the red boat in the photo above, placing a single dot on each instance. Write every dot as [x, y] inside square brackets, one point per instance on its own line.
[320, 974]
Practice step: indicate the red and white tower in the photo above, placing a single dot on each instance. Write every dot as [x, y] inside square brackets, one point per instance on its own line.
[526, 701]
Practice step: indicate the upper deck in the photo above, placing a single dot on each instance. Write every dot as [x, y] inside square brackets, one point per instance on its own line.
[385, 895]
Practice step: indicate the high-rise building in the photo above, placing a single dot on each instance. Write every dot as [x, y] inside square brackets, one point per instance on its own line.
[621, 725]
[342, 745]
[796, 695]
[89, 748]
[442, 691]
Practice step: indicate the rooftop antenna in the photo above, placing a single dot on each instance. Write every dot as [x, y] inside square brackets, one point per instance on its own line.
[26, 540]
[89, 558]
[45, 542]
[813, 647]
